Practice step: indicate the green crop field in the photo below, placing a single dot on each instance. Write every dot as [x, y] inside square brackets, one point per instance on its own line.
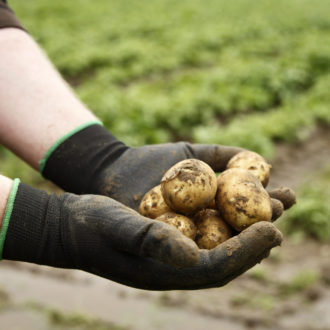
[238, 73]
[254, 74]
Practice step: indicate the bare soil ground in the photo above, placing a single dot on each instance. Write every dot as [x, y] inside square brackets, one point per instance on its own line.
[289, 290]
[296, 162]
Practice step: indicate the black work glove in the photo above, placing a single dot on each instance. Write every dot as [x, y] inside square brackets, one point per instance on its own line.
[94, 161]
[103, 237]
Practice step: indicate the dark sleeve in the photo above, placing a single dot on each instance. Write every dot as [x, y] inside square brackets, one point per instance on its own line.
[7, 17]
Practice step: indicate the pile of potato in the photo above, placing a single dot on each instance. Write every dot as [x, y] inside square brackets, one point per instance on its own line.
[208, 209]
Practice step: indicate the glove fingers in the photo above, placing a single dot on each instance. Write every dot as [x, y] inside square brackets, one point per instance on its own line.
[214, 268]
[166, 244]
[286, 195]
[243, 251]
[216, 156]
[130, 232]
[227, 261]
[277, 208]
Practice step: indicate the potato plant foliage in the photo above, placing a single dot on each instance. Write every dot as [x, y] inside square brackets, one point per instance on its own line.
[136, 62]
[231, 72]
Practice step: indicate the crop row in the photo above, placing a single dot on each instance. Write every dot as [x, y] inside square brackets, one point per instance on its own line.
[239, 73]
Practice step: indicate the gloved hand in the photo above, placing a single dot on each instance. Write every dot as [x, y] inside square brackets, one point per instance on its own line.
[93, 161]
[103, 237]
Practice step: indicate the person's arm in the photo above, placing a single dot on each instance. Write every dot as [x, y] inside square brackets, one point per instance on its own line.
[37, 107]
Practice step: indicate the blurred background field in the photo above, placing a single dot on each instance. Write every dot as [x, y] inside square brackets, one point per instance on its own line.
[252, 74]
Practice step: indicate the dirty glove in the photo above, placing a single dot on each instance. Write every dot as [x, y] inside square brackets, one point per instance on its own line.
[85, 232]
[94, 161]
[103, 237]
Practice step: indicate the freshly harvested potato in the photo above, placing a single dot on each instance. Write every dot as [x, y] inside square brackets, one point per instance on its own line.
[189, 186]
[211, 229]
[241, 199]
[185, 225]
[153, 204]
[253, 162]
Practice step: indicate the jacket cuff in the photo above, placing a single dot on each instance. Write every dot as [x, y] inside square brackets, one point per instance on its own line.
[8, 18]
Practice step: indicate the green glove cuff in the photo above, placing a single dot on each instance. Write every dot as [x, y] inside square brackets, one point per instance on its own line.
[62, 139]
[7, 215]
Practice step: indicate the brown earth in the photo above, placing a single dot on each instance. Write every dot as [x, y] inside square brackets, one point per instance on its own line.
[289, 290]
[296, 162]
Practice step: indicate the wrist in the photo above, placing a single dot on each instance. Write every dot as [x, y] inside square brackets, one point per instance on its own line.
[34, 233]
[62, 139]
[76, 163]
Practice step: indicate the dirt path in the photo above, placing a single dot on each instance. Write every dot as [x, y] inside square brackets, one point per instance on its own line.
[289, 290]
[296, 162]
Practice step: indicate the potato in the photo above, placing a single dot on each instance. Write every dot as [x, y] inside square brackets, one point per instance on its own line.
[253, 162]
[153, 204]
[211, 229]
[189, 186]
[241, 199]
[185, 225]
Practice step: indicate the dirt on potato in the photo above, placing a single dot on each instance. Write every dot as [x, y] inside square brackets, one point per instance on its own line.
[184, 224]
[252, 162]
[189, 186]
[212, 230]
[153, 204]
[241, 199]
